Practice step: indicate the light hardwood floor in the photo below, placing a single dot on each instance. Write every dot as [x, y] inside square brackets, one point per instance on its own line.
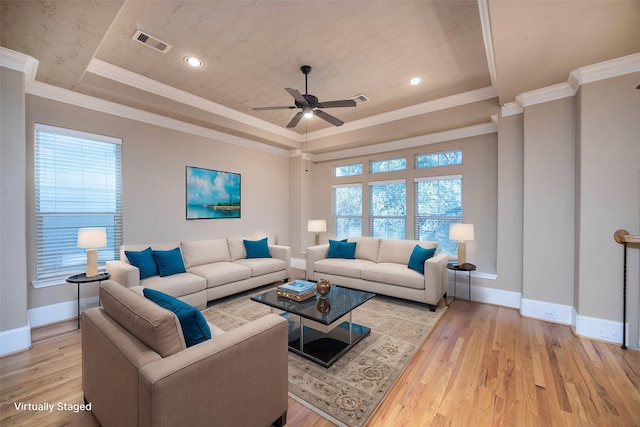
[482, 365]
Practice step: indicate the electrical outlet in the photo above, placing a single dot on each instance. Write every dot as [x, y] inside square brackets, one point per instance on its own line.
[609, 334]
[549, 314]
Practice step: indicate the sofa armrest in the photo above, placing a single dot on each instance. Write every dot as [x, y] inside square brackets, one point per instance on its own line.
[435, 278]
[124, 273]
[283, 253]
[238, 378]
[315, 253]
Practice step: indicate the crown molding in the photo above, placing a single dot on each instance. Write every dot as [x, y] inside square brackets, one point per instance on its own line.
[416, 141]
[485, 23]
[19, 62]
[414, 110]
[66, 96]
[605, 70]
[511, 109]
[578, 77]
[546, 94]
[120, 75]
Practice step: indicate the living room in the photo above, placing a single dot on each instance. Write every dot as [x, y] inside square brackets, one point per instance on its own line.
[547, 181]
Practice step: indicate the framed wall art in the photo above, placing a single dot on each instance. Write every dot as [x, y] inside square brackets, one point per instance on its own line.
[212, 194]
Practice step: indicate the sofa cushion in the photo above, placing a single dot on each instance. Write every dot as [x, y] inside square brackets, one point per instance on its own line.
[366, 247]
[158, 328]
[399, 251]
[338, 249]
[194, 326]
[143, 261]
[257, 248]
[176, 285]
[200, 252]
[221, 273]
[262, 266]
[341, 266]
[169, 262]
[418, 258]
[393, 274]
[140, 246]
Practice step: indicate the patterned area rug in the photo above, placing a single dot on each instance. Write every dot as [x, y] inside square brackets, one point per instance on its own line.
[348, 392]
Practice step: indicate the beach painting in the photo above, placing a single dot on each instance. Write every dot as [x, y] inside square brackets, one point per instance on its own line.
[212, 194]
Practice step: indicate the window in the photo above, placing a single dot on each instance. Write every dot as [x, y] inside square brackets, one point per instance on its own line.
[438, 204]
[389, 165]
[347, 210]
[387, 205]
[444, 158]
[348, 170]
[77, 184]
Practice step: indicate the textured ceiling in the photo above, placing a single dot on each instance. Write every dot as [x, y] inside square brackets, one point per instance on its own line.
[253, 50]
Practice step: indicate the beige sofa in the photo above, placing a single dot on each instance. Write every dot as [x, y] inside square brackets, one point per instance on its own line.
[215, 268]
[380, 266]
[137, 371]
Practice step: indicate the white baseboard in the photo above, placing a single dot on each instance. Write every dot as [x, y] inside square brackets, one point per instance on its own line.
[15, 340]
[548, 311]
[600, 329]
[57, 312]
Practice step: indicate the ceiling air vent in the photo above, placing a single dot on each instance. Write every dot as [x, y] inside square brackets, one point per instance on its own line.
[360, 98]
[151, 41]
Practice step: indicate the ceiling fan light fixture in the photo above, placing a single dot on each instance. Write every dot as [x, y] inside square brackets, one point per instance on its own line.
[308, 113]
[415, 81]
[193, 61]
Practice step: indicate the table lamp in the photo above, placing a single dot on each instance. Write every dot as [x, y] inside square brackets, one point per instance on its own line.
[461, 232]
[317, 226]
[91, 239]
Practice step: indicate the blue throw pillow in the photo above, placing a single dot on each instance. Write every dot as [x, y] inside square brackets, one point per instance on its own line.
[341, 249]
[194, 326]
[169, 262]
[418, 257]
[144, 261]
[257, 248]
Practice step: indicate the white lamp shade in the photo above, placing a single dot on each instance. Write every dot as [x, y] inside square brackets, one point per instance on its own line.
[317, 225]
[91, 238]
[460, 232]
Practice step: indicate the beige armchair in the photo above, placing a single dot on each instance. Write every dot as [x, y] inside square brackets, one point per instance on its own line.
[137, 371]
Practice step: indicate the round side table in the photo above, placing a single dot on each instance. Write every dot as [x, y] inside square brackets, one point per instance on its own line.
[455, 268]
[82, 278]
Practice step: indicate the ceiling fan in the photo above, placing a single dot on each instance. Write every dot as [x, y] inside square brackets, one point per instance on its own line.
[310, 105]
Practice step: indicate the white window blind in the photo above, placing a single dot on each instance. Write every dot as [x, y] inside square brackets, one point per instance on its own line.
[388, 209]
[438, 204]
[77, 185]
[347, 210]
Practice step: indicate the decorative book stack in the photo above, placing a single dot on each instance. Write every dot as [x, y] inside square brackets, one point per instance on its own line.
[298, 290]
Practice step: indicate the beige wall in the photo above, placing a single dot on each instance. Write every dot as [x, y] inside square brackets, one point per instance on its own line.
[153, 181]
[13, 291]
[549, 188]
[479, 172]
[510, 204]
[609, 196]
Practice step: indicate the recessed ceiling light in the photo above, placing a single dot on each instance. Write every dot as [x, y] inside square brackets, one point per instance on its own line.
[193, 61]
[415, 81]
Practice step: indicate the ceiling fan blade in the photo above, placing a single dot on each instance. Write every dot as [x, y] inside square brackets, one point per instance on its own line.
[291, 107]
[335, 104]
[328, 117]
[295, 120]
[296, 95]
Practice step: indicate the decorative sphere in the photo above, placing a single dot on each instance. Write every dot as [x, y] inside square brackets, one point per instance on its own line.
[323, 287]
[323, 305]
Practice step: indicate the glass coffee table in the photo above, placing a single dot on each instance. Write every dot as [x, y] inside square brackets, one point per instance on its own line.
[321, 329]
